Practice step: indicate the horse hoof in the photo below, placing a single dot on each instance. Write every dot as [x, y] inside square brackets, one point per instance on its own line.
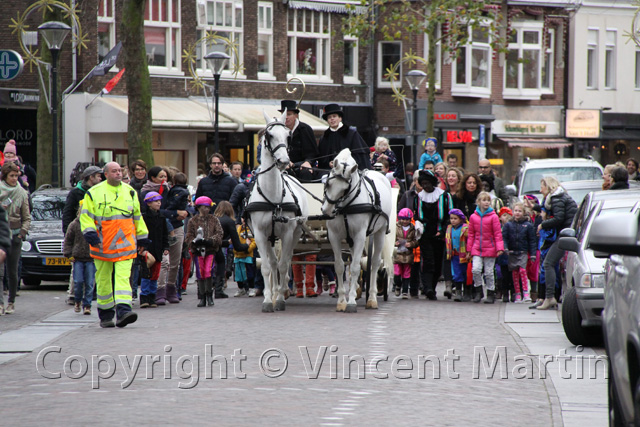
[287, 294]
[267, 307]
[359, 292]
[341, 307]
[279, 305]
[352, 308]
[372, 304]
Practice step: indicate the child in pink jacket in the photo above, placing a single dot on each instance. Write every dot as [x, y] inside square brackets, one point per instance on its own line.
[484, 245]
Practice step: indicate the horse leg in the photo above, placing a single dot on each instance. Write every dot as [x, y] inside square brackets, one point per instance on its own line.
[339, 267]
[288, 238]
[378, 242]
[356, 256]
[269, 271]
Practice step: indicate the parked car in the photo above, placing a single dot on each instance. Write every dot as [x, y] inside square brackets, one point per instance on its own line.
[579, 189]
[583, 299]
[530, 172]
[617, 236]
[42, 257]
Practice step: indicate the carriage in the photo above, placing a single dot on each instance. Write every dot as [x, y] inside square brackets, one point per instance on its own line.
[352, 215]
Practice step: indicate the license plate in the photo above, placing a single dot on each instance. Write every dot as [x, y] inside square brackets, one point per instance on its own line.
[57, 261]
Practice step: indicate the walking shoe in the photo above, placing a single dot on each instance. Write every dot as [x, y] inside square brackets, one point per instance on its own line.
[536, 304]
[77, 307]
[325, 283]
[221, 295]
[479, 293]
[107, 324]
[240, 293]
[126, 319]
[527, 297]
[397, 292]
[405, 295]
[457, 295]
[491, 297]
[518, 298]
[10, 309]
[252, 293]
[447, 289]
[467, 291]
[87, 311]
[431, 295]
[505, 296]
[310, 292]
[548, 303]
[332, 288]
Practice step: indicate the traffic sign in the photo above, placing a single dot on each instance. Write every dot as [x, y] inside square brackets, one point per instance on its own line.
[11, 64]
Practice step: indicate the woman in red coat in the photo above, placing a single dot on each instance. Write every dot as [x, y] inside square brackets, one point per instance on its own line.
[484, 245]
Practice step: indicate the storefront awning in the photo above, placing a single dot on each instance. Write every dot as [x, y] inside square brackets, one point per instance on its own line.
[185, 113]
[334, 6]
[537, 142]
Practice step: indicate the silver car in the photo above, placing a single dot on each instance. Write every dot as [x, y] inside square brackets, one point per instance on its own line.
[583, 298]
[618, 236]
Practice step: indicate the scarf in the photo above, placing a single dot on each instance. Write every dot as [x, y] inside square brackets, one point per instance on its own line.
[12, 198]
[152, 186]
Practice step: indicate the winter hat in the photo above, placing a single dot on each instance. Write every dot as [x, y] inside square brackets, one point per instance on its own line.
[10, 147]
[152, 196]
[427, 175]
[204, 201]
[430, 139]
[405, 213]
[505, 210]
[91, 170]
[458, 213]
[531, 197]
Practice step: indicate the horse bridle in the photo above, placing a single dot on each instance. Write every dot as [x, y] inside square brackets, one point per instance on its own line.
[267, 139]
[345, 193]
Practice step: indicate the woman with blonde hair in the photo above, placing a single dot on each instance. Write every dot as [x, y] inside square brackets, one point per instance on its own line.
[224, 213]
[606, 176]
[453, 180]
[561, 209]
[384, 152]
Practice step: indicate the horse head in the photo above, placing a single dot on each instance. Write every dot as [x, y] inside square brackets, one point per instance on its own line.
[276, 140]
[338, 183]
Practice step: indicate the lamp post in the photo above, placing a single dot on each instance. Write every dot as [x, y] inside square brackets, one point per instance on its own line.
[415, 78]
[54, 34]
[217, 61]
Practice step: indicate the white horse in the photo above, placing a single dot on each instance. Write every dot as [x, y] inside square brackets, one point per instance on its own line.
[361, 203]
[274, 199]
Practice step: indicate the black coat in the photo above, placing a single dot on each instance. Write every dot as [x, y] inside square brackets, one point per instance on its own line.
[237, 199]
[217, 187]
[562, 208]
[303, 145]
[5, 232]
[70, 211]
[158, 233]
[408, 200]
[177, 200]
[332, 143]
[229, 231]
[466, 205]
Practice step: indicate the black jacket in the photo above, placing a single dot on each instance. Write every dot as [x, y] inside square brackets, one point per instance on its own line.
[408, 200]
[177, 200]
[562, 208]
[237, 199]
[229, 231]
[466, 205]
[620, 186]
[5, 232]
[332, 143]
[70, 211]
[217, 187]
[158, 233]
[520, 236]
[303, 145]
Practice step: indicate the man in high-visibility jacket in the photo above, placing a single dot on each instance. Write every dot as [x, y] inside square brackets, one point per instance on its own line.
[112, 225]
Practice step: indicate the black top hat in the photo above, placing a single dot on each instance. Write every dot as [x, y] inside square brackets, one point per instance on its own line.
[290, 105]
[332, 109]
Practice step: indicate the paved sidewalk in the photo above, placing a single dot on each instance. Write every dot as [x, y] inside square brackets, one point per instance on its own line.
[578, 374]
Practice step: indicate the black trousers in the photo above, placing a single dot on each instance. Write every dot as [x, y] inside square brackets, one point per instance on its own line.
[431, 255]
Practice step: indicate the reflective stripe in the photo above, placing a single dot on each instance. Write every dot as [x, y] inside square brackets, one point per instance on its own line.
[89, 214]
[142, 236]
[106, 305]
[112, 217]
[123, 292]
[112, 256]
[137, 217]
[105, 297]
[90, 228]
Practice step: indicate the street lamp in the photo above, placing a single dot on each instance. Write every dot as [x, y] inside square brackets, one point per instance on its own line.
[54, 34]
[415, 78]
[216, 61]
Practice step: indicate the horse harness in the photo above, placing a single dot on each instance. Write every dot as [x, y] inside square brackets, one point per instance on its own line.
[372, 207]
[268, 205]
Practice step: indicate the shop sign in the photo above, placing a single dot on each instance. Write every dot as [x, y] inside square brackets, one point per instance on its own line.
[583, 124]
[446, 117]
[465, 136]
[25, 98]
[520, 128]
[11, 64]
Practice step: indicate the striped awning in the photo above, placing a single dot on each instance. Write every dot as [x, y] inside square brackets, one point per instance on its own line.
[332, 6]
[537, 142]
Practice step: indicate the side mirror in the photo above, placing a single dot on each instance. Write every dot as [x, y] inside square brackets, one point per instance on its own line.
[615, 233]
[568, 232]
[570, 244]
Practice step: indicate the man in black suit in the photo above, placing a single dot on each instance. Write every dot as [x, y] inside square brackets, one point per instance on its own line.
[303, 148]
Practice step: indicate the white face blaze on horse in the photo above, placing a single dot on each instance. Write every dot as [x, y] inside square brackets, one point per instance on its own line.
[340, 177]
[276, 139]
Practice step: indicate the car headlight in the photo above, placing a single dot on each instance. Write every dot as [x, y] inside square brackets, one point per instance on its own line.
[26, 246]
[592, 281]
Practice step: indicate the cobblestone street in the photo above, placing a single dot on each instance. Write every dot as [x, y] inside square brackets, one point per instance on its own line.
[292, 367]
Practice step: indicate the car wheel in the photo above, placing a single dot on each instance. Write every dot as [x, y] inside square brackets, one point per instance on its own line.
[615, 411]
[572, 322]
[31, 281]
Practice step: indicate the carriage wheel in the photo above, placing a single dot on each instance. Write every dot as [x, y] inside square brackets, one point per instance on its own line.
[367, 273]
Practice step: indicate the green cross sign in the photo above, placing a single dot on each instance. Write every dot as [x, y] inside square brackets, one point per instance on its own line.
[11, 64]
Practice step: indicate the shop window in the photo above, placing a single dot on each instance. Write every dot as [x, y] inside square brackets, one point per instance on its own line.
[472, 67]
[610, 60]
[265, 40]
[592, 59]
[309, 34]
[106, 27]
[351, 60]
[223, 18]
[389, 54]
[162, 35]
[549, 63]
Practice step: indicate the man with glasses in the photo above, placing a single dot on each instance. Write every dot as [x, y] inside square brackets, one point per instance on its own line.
[218, 185]
[112, 224]
[484, 168]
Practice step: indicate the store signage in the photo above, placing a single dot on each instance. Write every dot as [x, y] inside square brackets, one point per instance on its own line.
[465, 136]
[583, 124]
[11, 64]
[522, 128]
[446, 117]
